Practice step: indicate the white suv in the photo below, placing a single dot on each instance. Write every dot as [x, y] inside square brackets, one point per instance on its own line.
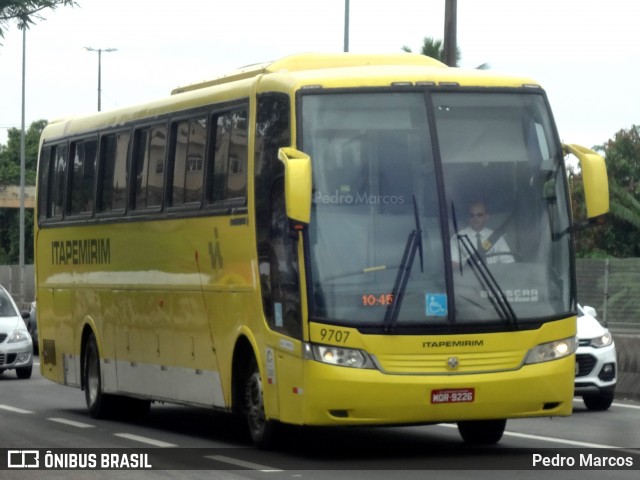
[596, 364]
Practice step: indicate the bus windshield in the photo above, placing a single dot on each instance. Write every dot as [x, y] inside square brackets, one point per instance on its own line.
[442, 210]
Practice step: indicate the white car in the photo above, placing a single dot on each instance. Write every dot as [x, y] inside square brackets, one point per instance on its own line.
[596, 363]
[16, 346]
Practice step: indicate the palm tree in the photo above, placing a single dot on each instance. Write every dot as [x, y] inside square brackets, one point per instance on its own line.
[623, 205]
[434, 48]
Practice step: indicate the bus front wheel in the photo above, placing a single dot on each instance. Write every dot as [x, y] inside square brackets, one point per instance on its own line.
[261, 429]
[482, 432]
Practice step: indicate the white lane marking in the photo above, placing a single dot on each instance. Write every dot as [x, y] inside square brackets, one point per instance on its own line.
[545, 439]
[150, 441]
[71, 422]
[14, 409]
[626, 405]
[615, 404]
[575, 443]
[241, 463]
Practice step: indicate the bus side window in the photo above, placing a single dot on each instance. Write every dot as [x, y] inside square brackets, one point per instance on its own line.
[277, 252]
[112, 184]
[44, 172]
[83, 174]
[228, 177]
[188, 161]
[56, 184]
[149, 149]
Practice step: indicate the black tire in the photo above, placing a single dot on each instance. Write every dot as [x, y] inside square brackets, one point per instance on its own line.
[24, 372]
[99, 404]
[598, 403]
[482, 432]
[262, 430]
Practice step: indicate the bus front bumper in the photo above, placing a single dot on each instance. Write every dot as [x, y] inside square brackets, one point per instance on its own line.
[347, 396]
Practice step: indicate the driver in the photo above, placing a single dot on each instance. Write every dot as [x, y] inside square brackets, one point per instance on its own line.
[490, 250]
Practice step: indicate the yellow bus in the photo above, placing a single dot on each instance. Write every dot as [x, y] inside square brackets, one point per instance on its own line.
[287, 243]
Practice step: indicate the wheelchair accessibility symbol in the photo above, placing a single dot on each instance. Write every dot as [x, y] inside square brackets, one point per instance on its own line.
[436, 304]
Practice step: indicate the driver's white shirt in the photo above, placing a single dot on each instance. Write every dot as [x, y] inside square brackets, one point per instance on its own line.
[500, 246]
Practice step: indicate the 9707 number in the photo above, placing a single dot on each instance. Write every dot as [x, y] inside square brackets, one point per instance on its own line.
[333, 335]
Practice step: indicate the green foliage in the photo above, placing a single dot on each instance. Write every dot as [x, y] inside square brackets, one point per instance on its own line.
[10, 236]
[10, 154]
[10, 175]
[433, 48]
[619, 235]
[25, 12]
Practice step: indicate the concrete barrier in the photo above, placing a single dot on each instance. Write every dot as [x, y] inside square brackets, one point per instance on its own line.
[628, 350]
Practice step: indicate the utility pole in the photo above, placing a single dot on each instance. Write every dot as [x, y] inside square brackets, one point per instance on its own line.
[22, 164]
[450, 32]
[100, 50]
[346, 25]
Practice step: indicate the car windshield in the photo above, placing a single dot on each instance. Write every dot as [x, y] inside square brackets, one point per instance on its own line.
[404, 182]
[6, 305]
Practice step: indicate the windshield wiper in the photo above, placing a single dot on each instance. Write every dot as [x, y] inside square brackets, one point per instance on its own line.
[487, 281]
[480, 269]
[413, 246]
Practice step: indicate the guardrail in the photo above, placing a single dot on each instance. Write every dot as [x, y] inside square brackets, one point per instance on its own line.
[20, 284]
[628, 350]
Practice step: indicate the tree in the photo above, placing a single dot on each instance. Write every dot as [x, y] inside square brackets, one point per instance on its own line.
[25, 12]
[619, 235]
[10, 154]
[10, 175]
[434, 48]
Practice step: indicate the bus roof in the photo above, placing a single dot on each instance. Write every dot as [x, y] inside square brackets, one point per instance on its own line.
[315, 61]
[328, 70]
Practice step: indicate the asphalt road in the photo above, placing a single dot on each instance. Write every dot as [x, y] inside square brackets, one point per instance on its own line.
[183, 442]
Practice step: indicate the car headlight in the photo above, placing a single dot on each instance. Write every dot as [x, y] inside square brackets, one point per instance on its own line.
[339, 356]
[555, 350]
[602, 341]
[19, 335]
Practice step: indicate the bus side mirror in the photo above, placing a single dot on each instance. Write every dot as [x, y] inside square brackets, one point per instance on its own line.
[297, 186]
[594, 178]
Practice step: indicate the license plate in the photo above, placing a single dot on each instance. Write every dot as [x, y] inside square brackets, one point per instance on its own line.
[453, 395]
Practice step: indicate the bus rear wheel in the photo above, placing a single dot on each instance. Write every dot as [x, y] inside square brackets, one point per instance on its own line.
[482, 432]
[99, 404]
[262, 430]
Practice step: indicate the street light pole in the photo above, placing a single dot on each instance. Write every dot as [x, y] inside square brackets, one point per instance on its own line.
[346, 25]
[100, 50]
[450, 32]
[22, 166]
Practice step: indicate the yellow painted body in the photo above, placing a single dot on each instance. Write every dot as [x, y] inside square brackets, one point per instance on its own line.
[169, 299]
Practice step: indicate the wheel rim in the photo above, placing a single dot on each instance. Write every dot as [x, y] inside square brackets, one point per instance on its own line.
[255, 404]
[93, 378]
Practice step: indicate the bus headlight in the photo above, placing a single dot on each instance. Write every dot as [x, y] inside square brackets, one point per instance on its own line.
[546, 352]
[339, 356]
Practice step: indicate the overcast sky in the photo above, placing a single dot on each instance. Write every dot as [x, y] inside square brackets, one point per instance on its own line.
[586, 53]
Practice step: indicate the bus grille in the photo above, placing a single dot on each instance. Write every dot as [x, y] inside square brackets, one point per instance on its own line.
[441, 363]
